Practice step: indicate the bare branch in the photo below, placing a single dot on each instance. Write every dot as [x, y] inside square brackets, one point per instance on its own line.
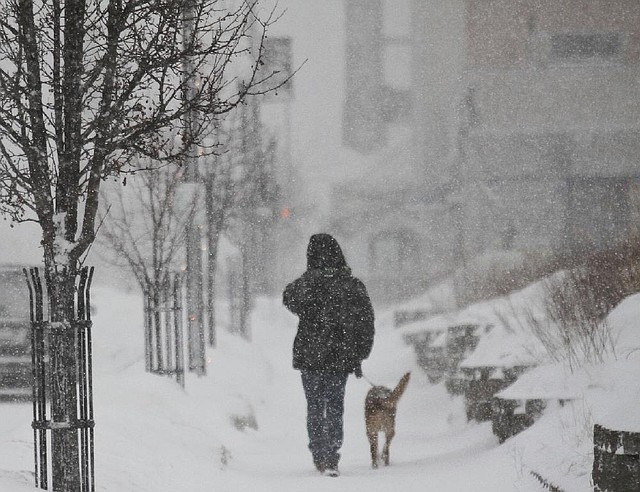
[81, 99]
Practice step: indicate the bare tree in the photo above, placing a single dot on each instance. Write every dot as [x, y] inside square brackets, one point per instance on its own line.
[577, 304]
[144, 228]
[85, 87]
[144, 231]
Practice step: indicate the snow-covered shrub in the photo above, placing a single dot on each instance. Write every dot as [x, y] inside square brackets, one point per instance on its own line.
[573, 326]
[502, 272]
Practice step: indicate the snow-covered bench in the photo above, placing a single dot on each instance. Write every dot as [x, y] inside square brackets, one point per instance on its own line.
[519, 405]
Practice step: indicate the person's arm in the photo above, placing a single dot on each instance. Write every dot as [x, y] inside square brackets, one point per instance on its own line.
[290, 297]
[363, 322]
[296, 295]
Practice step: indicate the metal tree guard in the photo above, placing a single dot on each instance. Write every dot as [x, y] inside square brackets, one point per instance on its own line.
[43, 390]
[163, 320]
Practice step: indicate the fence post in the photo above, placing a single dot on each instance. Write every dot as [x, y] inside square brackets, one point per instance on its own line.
[167, 312]
[148, 342]
[164, 329]
[39, 381]
[157, 331]
[177, 326]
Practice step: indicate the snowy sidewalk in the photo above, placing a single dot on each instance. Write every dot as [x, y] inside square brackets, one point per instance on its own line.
[434, 448]
[426, 455]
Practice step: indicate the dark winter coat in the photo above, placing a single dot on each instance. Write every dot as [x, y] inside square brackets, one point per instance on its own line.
[335, 332]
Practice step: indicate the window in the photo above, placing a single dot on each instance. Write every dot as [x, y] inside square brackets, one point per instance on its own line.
[585, 46]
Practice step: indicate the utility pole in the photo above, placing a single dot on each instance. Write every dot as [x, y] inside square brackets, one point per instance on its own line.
[194, 300]
[214, 219]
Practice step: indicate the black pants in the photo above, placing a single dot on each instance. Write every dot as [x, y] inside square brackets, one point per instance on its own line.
[325, 408]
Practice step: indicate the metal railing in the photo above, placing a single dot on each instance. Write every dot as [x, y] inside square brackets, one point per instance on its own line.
[76, 426]
[163, 323]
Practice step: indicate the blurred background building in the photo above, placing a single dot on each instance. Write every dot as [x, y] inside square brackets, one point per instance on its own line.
[486, 126]
[553, 119]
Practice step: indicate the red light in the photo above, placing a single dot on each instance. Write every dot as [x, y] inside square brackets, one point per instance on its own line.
[285, 213]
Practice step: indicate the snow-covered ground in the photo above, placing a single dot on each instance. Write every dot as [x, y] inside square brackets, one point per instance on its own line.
[153, 436]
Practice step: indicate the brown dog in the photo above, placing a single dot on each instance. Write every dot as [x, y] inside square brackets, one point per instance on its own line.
[380, 416]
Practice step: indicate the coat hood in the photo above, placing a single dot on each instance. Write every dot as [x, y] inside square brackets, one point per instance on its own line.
[324, 252]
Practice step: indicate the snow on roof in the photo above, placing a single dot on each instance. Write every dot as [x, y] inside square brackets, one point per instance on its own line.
[482, 314]
[614, 390]
[624, 415]
[547, 382]
[435, 324]
[501, 348]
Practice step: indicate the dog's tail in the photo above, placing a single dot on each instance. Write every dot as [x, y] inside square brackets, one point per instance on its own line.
[398, 390]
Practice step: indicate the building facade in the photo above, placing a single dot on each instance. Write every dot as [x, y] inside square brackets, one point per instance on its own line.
[487, 126]
[549, 136]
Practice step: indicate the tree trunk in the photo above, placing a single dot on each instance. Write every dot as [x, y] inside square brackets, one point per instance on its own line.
[212, 268]
[64, 366]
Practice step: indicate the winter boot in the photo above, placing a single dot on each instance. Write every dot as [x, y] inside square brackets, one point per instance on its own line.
[331, 472]
[320, 466]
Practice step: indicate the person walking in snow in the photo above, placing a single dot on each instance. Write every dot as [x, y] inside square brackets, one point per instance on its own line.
[335, 334]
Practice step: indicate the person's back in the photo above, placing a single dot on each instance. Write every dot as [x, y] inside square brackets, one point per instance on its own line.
[335, 332]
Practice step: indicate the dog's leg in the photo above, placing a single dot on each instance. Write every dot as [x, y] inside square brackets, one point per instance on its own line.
[373, 444]
[385, 450]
